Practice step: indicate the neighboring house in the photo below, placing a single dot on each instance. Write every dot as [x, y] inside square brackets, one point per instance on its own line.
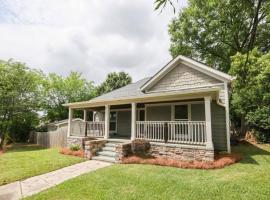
[183, 110]
[77, 125]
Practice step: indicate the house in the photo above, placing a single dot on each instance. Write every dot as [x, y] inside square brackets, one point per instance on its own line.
[54, 126]
[183, 110]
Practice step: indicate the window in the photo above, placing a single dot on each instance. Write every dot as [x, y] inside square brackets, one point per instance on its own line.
[113, 117]
[181, 112]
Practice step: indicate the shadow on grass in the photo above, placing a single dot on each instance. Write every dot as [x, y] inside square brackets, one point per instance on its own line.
[249, 150]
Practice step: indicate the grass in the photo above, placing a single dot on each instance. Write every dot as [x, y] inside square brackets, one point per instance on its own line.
[248, 179]
[23, 161]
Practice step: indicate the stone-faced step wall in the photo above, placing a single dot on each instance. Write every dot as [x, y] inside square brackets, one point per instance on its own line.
[182, 152]
[91, 147]
[122, 150]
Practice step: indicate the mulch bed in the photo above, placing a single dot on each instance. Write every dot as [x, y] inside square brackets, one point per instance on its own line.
[221, 160]
[67, 151]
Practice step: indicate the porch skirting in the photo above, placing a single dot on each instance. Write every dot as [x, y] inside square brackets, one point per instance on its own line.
[182, 152]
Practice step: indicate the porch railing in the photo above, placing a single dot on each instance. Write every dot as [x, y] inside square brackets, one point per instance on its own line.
[186, 132]
[95, 129]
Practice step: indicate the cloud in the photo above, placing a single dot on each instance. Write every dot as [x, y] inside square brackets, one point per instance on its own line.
[93, 37]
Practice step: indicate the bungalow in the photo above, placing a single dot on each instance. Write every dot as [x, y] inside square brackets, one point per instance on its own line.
[183, 110]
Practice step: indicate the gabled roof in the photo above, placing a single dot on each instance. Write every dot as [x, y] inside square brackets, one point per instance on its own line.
[130, 90]
[190, 63]
[137, 91]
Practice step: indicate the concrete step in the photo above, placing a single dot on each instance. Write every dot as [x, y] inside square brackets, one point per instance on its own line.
[104, 158]
[107, 153]
[108, 148]
[110, 144]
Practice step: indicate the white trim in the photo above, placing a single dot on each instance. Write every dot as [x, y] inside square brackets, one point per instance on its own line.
[107, 121]
[133, 121]
[85, 115]
[152, 97]
[190, 63]
[217, 100]
[186, 88]
[226, 96]
[208, 122]
[70, 115]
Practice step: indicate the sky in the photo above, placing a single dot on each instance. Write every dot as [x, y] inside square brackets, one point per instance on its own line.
[93, 37]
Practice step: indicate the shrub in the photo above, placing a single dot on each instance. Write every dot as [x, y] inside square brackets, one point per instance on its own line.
[261, 137]
[75, 147]
[140, 147]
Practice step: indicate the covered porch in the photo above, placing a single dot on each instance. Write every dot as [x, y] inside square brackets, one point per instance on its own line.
[180, 121]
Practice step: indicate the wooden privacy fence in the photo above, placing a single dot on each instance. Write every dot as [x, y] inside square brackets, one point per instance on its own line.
[51, 139]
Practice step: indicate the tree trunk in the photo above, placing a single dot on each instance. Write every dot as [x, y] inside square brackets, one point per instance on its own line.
[243, 127]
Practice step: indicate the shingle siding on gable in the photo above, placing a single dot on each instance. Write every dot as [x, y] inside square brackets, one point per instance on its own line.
[182, 77]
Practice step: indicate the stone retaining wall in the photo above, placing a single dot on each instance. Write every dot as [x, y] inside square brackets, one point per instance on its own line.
[183, 153]
[93, 146]
[73, 140]
[122, 150]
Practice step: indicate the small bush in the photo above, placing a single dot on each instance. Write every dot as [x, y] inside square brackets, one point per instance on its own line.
[140, 147]
[75, 147]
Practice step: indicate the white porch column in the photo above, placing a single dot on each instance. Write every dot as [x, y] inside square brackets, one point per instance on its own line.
[133, 121]
[85, 122]
[207, 106]
[107, 121]
[85, 115]
[70, 114]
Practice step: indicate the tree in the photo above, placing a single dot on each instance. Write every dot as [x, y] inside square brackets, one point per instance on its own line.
[59, 90]
[20, 95]
[161, 4]
[213, 31]
[114, 81]
[251, 89]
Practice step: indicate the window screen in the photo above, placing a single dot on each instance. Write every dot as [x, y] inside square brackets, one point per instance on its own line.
[181, 112]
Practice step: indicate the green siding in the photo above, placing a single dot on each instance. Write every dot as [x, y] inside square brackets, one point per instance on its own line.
[197, 112]
[219, 126]
[158, 113]
[124, 123]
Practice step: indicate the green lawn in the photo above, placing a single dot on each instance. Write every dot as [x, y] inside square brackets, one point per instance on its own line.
[249, 179]
[23, 161]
